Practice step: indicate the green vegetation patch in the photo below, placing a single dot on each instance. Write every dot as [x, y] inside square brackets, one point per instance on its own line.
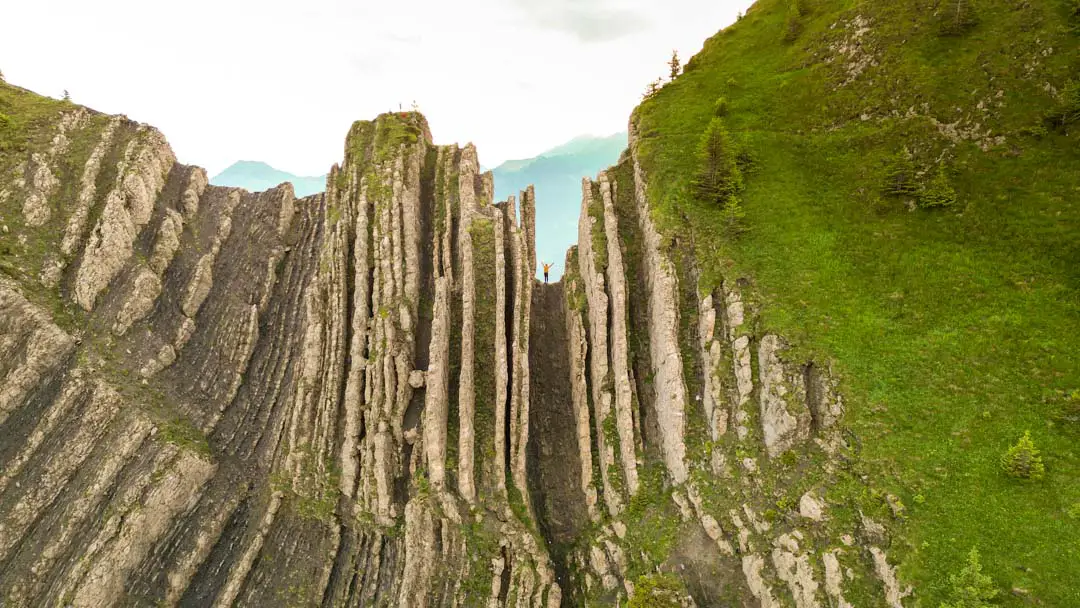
[482, 233]
[951, 324]
[657, 591]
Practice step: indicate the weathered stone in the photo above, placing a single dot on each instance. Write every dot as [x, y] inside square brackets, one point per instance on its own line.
[506, 389]
[76, 224]
[32, 348]
[146, 163]
[795, 570]
[438, 384]
[785, 416]
[596, 297]
[834, 578]
[184, 332]
[712, 356]
[466, 388]
[663, 328]
[616, 282]
[872, 530]
[193, 191]
[164, 358]
[752, 566]
[167, 241]
[199, 286]
[144, 293]
[894, 592]
[812, 507]
[41, 182]
[137, 532]
[524, 268]
[578, 348]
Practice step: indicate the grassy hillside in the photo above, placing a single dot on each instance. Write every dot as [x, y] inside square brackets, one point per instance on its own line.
[955, 329]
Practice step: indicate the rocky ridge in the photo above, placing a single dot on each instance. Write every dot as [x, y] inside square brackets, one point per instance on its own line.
[210, 397]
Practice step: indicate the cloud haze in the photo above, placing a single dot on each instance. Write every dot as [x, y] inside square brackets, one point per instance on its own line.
[282, 81]
[587, 20]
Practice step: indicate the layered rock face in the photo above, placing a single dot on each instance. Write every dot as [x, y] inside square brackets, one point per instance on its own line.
[362, 398]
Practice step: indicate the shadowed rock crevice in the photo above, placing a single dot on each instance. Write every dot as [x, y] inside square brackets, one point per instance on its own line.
[554, 454]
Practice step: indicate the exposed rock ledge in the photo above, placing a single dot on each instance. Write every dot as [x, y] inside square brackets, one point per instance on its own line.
[212, 397]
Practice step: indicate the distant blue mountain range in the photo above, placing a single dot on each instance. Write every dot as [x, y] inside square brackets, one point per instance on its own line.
[556, 174]
[257, 176]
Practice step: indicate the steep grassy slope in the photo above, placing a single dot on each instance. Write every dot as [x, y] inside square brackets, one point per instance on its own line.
[955, 329]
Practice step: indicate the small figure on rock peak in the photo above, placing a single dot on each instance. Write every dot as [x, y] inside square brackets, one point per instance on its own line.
[547, 268]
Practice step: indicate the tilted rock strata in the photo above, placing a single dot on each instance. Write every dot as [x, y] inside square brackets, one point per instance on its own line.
[700, 352]
[363, 398]
[252, 381]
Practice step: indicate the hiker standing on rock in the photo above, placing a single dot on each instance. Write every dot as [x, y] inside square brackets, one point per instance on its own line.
[547, 267]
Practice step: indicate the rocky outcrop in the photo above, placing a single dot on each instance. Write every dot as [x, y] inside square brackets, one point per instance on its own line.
[710, 370]
[665, 357]
[363, 398]
[127, 209]
[33, 349]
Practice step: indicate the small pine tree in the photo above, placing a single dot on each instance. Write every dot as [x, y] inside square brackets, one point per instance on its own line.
[1068, 415]
[67, 96]
[720, 108]
[939, 193]
[718, 177]
[957, 17]
[674, 65]
[900, 175]
[793, 25]
[733, 215]
[1022, 460]
[970, 588]
[653, 88]
[1068, 110]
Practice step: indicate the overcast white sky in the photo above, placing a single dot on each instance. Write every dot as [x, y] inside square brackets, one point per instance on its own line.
[281, 82]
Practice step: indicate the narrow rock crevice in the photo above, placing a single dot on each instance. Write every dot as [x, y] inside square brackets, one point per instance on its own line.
[554, 463]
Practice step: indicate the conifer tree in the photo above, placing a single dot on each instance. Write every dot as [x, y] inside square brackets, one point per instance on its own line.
[1023, 460]
[719, 180]
[718, 174]
[970, 588]
[653, 88]
[733, 215]
[720, 108]
[957, 17]
[793, 24]
[900, 175]
[674, 65]
[940, 192]
[1068, 110]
